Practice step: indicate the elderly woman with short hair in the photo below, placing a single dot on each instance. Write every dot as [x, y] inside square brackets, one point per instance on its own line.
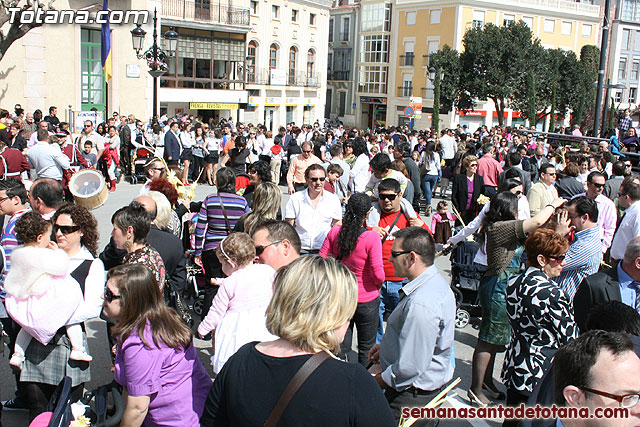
[540, 314]
[313, 301]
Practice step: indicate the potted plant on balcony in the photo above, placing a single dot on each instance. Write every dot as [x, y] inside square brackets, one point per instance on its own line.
[157, 67]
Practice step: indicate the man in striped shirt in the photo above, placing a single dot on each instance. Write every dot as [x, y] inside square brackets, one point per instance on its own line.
[585, 252]
[13, 197]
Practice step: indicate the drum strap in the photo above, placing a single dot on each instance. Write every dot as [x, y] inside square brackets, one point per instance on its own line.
[6, 172]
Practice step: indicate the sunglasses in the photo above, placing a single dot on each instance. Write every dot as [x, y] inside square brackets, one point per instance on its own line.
[597, 185]
[317, 179]
[558, 258]
[474, 165]
[306, 151]
[396, 254]
[66, 229]
[387, 196]
[260, 248]
[518, 193]
[110, 296]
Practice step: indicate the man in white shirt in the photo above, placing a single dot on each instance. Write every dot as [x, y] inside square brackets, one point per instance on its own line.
[449, 147]
[34, 136]
[607, 216]
[629, 228]
[96, 140]
[313, 211]
[46, 159]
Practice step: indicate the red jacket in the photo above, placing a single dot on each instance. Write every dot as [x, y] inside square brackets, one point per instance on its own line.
[16, 163]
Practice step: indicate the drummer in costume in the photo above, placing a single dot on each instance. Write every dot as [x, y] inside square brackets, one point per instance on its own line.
[12, 162]
[76, 159]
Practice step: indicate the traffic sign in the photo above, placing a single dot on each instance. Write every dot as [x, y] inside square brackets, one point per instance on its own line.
[408, 111]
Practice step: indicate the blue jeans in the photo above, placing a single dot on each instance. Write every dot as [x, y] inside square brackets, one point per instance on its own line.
[428, 183]
[388, 300]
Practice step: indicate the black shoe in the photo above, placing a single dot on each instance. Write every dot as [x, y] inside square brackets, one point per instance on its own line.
[14, 405]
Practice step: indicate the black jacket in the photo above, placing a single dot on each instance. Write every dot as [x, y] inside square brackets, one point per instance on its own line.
[596, 289]
[525, 178]
[459, 193]
[168, 246]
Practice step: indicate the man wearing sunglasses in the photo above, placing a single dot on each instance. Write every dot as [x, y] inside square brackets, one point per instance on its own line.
[90, 135]
[598, 370]
[277, 243]
[313, 211]
[543, 192]
[585, 251]
[607, 215]
[296, 179]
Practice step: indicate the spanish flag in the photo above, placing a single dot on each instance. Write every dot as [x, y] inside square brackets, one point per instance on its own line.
[106, 45]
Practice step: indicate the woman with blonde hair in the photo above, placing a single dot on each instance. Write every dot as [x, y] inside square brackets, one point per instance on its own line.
[267, 199]
[313, 301]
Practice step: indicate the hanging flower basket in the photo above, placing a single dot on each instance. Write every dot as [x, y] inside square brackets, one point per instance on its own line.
[157, 73]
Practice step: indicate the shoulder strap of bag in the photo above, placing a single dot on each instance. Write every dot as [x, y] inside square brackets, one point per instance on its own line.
[392, 225]
[292, 388]
[224, 212]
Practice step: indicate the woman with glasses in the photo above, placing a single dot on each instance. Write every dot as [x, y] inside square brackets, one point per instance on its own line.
[540, 315]
[156, 362]
[76, 233]
[349, 157]
[259, 173]
[467, 187]
[361, 251]
[131, 226]
[503, 233]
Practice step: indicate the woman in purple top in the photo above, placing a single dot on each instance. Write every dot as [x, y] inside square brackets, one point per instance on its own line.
[467, 187]
[361, 251]
[156, 362]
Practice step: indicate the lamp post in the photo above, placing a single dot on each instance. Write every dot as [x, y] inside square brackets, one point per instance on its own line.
[156, 58]
[436, 76]
[606, 87]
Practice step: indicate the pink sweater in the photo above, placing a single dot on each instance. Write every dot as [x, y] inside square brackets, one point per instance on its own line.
[365, 261]
[438, 218]
[249, 287]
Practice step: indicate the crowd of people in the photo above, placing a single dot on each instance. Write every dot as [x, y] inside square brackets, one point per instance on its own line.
[284, 287]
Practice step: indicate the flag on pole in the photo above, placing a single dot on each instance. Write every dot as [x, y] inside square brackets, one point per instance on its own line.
[106, 45]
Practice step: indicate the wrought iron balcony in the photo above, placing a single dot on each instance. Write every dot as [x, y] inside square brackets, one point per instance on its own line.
[407, 59]
[204, 11]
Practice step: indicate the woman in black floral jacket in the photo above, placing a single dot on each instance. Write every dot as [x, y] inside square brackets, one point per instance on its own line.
[540, 314]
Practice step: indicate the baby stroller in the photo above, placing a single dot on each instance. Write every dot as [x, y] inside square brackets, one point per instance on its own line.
[465, 280]
[103, 406]
[140, 159]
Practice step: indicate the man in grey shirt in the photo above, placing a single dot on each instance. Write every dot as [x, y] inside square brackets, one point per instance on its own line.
[415, 355]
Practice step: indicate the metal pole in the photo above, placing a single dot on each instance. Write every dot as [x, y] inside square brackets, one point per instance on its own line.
[605, 115]
[155, 59]
[601, 70]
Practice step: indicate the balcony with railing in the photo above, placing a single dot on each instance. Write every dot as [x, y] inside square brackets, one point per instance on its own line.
[204, 11]
[406, 60]
[264, 76]
[405, 91]
[342, 75]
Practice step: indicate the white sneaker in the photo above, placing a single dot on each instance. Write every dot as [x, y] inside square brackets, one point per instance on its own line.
[17, 361]
[80, 355]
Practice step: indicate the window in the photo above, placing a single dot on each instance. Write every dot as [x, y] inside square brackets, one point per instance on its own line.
[434, 16]
[254, 7]
[275, 12]
[252, 50]
[508, 20]
[411, 18]
[566, 28]
[376, 17]
[373, 79]
[630, 10]
[294, 15]
[432, 47]
[586, 30]
[407, 86]
[632, 95]
[92, 75]
[626, 39]
[635, 68]
[345, 29]
[636, 40]
[311, 63]
[342, 103]
[330, 61]
[617, 96]
[273, 57]
[375, 48]
[549, 25]
[312, 19]
[478, 19]
[292, 64]
[622, 68]
[408, 54]
[528, 21]
[331, 30]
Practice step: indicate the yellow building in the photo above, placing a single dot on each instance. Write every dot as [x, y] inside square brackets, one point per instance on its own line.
[421, 28]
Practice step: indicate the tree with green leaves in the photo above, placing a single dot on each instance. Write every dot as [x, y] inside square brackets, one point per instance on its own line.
[448, 97]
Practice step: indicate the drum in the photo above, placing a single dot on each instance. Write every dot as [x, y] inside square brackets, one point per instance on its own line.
[88, 188]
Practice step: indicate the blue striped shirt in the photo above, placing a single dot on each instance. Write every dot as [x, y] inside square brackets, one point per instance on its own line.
[582, 259]
[211, 227]
[9, 242]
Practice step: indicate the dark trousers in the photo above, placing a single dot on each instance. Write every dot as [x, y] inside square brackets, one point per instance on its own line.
[365, 319]
[514, 398]
[410, 398]
[212, 269]
[490, 191]
[299, 187]
[12, 328]
[125, 160]
[198, 165]
[38, 396]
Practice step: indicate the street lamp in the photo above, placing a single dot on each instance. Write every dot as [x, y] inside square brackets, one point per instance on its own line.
[436, 76]
[606, 87]
[156, 58]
